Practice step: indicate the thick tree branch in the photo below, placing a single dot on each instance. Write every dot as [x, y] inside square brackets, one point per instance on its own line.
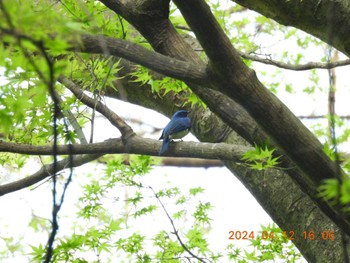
[168, 66]
[99, 44]
[136, 145]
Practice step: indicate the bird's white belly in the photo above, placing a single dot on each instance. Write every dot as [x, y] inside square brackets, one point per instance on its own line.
[179, 135]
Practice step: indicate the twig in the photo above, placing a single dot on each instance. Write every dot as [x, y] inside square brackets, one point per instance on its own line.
[301, 67]
[174, 228]
[74, 123]
[347, 117]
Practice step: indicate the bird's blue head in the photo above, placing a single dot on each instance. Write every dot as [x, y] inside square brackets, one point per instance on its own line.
[180, 114]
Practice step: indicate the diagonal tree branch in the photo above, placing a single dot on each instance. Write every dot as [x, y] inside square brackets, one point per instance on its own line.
[168, 66]
[114, 119]
[47, 171]
[100, 44]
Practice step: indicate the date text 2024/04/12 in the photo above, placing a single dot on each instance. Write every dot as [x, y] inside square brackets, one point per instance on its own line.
[290, 235]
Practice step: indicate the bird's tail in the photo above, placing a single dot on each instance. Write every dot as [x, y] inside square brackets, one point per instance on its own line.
[166, 142]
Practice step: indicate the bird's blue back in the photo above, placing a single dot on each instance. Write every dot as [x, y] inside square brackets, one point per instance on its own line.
[178, 127]
[175, 126]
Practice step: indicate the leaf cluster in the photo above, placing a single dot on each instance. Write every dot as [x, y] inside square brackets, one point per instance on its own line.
[108, 229]
[261, 158]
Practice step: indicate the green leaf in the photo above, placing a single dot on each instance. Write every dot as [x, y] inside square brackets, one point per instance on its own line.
[345, 191]
[201, 213]
[196, 239]
[250, 256]
[197, 190]
[329, 189]
[145, 210]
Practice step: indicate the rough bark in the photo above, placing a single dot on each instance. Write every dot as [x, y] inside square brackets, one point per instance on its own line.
[135, 145]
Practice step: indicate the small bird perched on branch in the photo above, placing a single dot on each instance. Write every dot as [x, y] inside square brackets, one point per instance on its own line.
[177, 128]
